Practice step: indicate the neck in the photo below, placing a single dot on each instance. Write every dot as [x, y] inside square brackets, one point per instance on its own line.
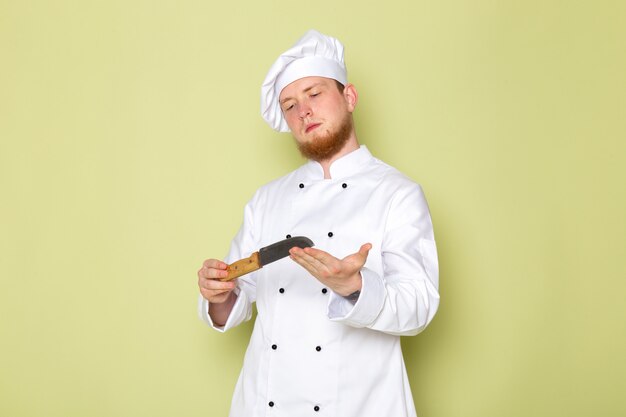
[351, 145]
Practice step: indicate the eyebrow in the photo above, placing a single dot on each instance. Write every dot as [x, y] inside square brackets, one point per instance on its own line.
[306, 90]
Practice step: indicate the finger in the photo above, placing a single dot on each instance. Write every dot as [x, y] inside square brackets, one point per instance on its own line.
[214, 296]
[309, 264]
[323, 266]
[324, 262]
[213, 285]
[319, 258]
[364, 251]
[305, 258]
[212, 293]
[212, 273]
[365, 248]
[320, 255]
[214, 263]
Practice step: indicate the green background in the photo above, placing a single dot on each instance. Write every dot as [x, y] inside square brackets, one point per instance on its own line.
[130, 140]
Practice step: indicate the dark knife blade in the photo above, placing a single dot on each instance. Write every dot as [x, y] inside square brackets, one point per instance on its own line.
[265, 256]
[279, 250]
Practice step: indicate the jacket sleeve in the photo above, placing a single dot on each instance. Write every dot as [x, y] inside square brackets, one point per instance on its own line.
[404, 298]
[243, 245]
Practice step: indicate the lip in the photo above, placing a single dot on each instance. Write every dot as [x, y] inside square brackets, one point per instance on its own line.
[311, 126]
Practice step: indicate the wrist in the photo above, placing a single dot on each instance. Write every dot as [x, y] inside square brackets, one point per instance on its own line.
[356, 283]
[353, 297]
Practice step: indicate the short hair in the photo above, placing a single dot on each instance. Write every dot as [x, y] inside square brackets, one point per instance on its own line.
[340, 86]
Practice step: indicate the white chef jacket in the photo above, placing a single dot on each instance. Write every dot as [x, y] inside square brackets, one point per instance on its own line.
[313, 352]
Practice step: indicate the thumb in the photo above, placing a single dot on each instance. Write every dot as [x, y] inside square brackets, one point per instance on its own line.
[365, 249]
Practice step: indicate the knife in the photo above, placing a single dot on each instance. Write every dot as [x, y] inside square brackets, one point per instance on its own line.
[265, 256]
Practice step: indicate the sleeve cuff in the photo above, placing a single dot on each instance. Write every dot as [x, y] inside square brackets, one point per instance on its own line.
[367, 307]
[241, 312]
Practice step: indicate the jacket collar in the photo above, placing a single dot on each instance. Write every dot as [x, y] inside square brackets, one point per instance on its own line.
[343, 167]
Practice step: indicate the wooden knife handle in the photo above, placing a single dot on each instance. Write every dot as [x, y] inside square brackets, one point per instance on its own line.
[243, 266]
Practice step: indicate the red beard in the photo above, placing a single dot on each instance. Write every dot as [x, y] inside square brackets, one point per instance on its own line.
[322, 148]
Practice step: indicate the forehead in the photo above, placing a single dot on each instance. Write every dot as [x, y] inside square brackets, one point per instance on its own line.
[303, 84]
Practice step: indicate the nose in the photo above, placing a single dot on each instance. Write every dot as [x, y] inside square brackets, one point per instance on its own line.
[304, 110]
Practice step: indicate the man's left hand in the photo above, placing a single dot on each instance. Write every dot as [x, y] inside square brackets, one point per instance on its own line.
[343, 276]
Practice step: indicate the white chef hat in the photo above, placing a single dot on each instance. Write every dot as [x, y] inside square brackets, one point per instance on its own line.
[314, 54]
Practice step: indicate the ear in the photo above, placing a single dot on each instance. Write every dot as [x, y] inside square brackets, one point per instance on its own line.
[351, 96]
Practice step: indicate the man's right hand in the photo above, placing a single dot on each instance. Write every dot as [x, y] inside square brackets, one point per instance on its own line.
[211, 288]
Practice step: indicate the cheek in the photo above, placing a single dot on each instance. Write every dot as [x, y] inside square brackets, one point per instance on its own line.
[289, 118]
[294, 124]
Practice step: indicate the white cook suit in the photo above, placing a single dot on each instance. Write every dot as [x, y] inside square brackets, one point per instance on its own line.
[313, 352]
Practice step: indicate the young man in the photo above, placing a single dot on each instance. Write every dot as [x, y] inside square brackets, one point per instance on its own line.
[327, 335]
